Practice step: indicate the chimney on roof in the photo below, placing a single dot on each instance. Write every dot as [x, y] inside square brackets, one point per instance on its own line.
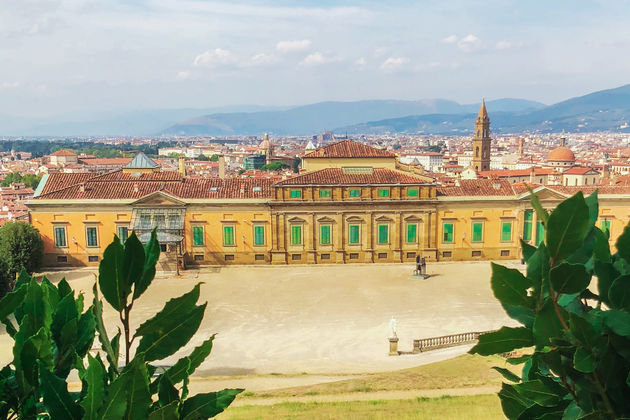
[82, 187]
[181, 166]
[135, 187]
[532, 175]
[222, 167]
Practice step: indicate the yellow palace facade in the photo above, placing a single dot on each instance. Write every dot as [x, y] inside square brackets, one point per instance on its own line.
[360, 211]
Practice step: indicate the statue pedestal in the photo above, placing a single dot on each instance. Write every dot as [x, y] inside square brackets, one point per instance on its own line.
[393, 346]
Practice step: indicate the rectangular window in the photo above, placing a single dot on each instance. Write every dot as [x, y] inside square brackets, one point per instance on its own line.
[197, 235]
[354, 255]
[411, 255]
[383, 192]
[505, 252]
[163, 247]
[229, 257]
[447, 233]
[296, 257]
[296, 193]
[382, 255]
[62, 258]
[447, 254]
[123, 233]
[412, 192]
[198, 257]
[506, 231]
[353, 234]
[90, 233]
[92, 258]
[324, 234]
[476, 253]
[528, 217]
[259, 257]
[325, 256]
[145, 221]
[296, 235]
[412, 233]
[477, 231]
[259, 235]
[354, 193]
[228, 235]
[605, 226]
[540, 232]
[324, 193]
[60, 236]
[383, 234]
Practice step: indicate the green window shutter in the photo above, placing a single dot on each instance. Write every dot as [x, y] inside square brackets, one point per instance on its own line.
[60, 236]
[506, 231]
[355, 193]
[259, 235]
[354, 234]
[605, 225]
[296, 235]
[296, 193]
[412, 233]
[324, 193]
[540, 233]
[228, 235]
[197, 235]
[92, 239]
[447, 231]
[528, 217]
[383, 192]
[324, 234]
[123, 233]
[412, 192]
[383, 234]
[477, 231]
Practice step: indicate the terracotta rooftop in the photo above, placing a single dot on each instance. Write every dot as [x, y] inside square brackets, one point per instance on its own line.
[63, 152]
[478, 187]
[348, 149]
[116, 185]
[578, 171]
[514, 172]
[104, 161]
[353, 176]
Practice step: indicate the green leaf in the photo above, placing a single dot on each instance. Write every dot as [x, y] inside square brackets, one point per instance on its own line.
[537, 392]
[203, 406]
[502, 341]
[12, 300]
[63, 288]
[36, 304]
[623, 244]
[606, 274]
[37, 349]
[57, 400]
[518, 360]
[66, 311]
[583, 331]
[569, 278]
[168, 412]
[547, 325]
[523, 315]
[196, 358]
[507, 374]
[541, 213]
[175, 334]
[115, 403]
[528, 250]
[152, 254]
[166, 391]
[601, 247]
[619, 293]
[512, 403]
[583, 361]
[510, 286]
[567, 227]
[111, 279]
[592, 202]
[106, 345]
[618, 322]
[138, 395]
[87, 330]
[93, 400]
[173, 308]
[133, 262]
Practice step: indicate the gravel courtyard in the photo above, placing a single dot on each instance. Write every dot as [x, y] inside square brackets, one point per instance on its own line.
[318, 319]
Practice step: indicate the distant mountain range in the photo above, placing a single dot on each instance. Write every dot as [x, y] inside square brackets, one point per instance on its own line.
[606, 110]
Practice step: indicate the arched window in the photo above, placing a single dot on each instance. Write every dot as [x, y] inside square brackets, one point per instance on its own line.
[477, 151]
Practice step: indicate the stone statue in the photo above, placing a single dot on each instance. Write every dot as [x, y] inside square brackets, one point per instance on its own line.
[393, 324]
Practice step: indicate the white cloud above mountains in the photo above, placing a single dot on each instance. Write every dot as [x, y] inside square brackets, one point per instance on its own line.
[285, 47]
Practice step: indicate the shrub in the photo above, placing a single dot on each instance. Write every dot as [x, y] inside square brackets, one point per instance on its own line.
[20, 246]
[53, 334]
[580, 335]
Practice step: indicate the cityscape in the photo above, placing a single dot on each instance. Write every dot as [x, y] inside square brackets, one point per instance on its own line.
[282, 210]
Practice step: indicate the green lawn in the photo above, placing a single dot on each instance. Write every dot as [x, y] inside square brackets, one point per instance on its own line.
[455, 408]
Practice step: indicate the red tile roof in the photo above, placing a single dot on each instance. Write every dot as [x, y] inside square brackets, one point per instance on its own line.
[347, 149]
[63, 152]
[578, 171]
[118, 185]
[347, 176]
[478, 187]
[504, 173]
[104, 161]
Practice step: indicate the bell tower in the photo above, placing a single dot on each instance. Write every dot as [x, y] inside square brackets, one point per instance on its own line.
[481, 140]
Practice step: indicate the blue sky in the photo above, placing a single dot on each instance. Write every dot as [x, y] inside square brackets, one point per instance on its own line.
[68, 56]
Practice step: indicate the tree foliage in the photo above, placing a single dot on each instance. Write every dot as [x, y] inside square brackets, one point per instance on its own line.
[53, 334]
[275, 166]
[579, 329]
[20, 246]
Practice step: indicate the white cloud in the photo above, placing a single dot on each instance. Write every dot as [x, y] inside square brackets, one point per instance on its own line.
[183, 75]
[469, 43]
[285, 47]
[316, 58]
[428, 66]
[394, 63]
[9, 85]
[451, 39]
[360, 62]
[262, 59]
[503, 45]
[214, 58]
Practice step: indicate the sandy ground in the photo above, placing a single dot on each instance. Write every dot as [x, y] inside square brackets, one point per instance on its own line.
[323, 320]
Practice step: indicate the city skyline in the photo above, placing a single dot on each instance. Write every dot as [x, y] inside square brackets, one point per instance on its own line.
[66, 57]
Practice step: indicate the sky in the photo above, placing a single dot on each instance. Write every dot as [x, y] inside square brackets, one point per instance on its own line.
[69, 56]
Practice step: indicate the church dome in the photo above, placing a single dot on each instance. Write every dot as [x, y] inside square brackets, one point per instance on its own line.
[561, 154]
